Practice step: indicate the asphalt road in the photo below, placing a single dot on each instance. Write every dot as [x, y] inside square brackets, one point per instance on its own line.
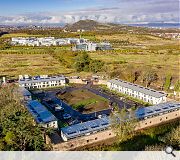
[51, 94]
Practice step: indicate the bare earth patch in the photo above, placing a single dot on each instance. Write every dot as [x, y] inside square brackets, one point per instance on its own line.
[85, 101]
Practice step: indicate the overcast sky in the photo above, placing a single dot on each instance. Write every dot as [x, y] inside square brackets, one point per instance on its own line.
[70, 11]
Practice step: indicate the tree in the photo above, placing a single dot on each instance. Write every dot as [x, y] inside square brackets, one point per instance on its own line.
[82, 62]
[167, 82]
[123, 123]
[131, 74]
[17, 128]
[177, 86]
[149, 76]
[172, 138]
[96, 65]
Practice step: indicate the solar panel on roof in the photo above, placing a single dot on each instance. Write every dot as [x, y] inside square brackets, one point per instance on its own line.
[69, 133]
[172, 106]
[164, 107]
[142, 114]
[105, 123]
[83, 129]
[149, 111]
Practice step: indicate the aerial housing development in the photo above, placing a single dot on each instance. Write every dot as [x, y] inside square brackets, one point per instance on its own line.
[50, 110]
[80, 75]
[146, 94]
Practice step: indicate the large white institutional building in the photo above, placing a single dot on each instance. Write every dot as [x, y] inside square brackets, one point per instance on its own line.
[145, 94]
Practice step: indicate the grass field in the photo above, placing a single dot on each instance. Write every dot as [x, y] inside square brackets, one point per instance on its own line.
[35, 64]
[141, 52]
[85, 101]
[163, 64]
[19, 35]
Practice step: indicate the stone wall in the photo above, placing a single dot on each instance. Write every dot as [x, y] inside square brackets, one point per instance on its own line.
[108, 134]
[83, 141]
[99, 82]
[79, 81]
[159, 119]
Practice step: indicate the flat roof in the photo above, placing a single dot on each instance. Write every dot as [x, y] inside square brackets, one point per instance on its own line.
[86, 127]
[40, 112]
[36, 80]
[135, 87]
[157, 109]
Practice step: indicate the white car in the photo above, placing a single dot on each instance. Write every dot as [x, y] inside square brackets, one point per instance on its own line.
[58, 108]
[102, 116]
[66, 116]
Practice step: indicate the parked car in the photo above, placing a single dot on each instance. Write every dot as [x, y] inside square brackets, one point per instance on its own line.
[102, 116]
[58, 108]
[66, 116]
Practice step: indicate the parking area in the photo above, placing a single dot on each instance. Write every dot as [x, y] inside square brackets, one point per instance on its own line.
[68, 115]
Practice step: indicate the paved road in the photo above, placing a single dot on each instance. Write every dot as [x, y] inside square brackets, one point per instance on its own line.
[51, 94]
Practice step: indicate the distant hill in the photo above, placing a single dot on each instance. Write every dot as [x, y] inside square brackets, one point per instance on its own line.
[88, 25]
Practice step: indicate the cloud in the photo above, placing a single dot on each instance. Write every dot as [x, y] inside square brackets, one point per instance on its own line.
[123, 11]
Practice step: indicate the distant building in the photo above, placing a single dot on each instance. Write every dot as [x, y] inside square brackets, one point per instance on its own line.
[41, 114]
[41, 81]
[145, 94]
[85, 128]
[46, 41]
[89, 46]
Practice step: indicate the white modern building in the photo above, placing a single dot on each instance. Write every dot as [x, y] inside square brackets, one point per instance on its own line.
[45, 41]
[43, 81]
[145, 94]
[90, 46]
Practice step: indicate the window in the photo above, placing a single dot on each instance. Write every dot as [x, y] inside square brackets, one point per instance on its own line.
[96, 138]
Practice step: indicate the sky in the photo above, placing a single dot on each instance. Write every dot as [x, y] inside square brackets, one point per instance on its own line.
[70, 11]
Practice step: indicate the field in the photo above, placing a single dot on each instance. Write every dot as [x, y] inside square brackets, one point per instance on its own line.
[35, 64]
[85, 101]
[137, 51]
[163, 64]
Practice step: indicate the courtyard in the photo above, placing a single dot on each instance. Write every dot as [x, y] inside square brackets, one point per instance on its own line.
[84, 101]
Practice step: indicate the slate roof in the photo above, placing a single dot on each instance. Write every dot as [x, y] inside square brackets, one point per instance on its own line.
[86, 127]
[40, 112]
[135, 87]
[38, 79]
